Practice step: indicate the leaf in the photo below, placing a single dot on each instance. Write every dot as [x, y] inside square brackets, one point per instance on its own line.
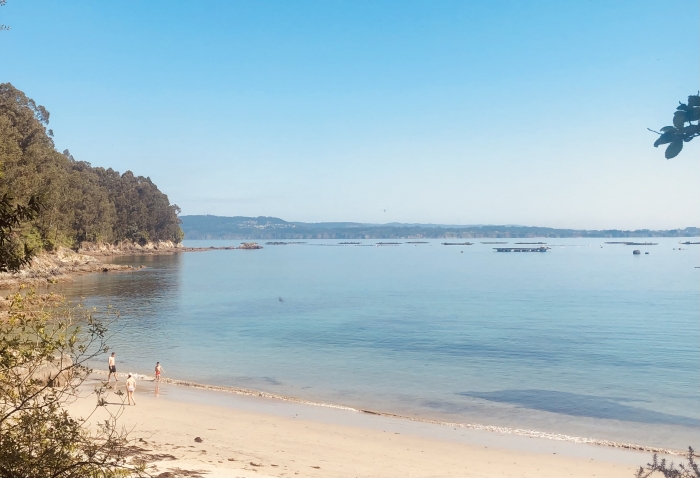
[674, 148]
[694, 100]
[679, 119]
[690, 131]
[665, 129]
[694, 114]
[665, 138]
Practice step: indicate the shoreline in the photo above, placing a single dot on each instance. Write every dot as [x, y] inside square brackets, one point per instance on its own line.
[526, 433]
[64, 264]
[183, 431]
[58, 266]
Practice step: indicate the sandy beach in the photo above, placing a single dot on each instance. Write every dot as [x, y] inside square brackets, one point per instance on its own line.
[244, 436]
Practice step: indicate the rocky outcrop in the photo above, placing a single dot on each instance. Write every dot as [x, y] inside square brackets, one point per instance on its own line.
[56, 373]
[58, 266]
[52, 373]
[62, 264]
[127, 247]
[249, 245]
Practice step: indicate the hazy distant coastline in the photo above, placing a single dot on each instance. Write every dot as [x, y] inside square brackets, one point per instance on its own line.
[262, 227]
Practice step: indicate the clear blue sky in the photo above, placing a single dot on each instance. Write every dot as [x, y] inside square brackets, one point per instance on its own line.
[464, 112]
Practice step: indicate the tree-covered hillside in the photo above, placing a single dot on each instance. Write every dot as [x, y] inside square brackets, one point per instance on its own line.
[79, 202]
[240, 227]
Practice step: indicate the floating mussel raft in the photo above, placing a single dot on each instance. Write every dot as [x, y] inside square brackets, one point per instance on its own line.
[521, 249]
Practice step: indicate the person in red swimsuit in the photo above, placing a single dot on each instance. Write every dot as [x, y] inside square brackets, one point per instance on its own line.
[159, 369]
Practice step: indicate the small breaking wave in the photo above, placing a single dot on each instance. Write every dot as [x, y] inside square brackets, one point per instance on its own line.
[470, 426]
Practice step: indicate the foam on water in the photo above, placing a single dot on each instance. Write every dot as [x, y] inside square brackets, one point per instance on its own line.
[471, 426]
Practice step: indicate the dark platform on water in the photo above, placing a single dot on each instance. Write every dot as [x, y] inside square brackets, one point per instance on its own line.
[634, 243]
[521, 249]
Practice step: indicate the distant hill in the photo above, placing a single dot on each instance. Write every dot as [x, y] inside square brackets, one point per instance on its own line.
[263, 227]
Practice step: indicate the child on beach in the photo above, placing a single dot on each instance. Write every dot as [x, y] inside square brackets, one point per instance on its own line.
[130, 389]
[159, 369]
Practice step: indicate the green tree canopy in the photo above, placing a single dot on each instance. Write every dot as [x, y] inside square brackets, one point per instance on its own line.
[80, 202]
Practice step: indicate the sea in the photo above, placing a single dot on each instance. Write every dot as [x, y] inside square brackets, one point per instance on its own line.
[584, 340]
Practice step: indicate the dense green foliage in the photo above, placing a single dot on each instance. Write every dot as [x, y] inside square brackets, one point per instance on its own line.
[14, 253]
[79, 202]
[683, 129]
[45, 348]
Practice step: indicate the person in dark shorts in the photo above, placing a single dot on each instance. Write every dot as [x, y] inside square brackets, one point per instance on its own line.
[112, 363]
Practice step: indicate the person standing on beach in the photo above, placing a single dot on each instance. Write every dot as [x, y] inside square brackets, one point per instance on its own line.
[112, 363]
[159, 369]
[130, 389]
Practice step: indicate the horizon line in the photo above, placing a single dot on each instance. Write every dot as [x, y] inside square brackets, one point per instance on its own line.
[443, 225]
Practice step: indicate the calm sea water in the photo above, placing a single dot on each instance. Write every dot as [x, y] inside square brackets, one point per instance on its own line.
[583, 340]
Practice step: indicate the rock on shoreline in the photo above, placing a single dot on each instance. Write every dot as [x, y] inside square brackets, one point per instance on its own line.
[63, 264]
[58, 266]
[250, 245]
[128, 248]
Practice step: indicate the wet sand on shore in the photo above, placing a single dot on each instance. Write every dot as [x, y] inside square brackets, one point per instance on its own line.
[256, 436]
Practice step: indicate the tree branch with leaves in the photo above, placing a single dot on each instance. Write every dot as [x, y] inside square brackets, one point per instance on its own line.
[691, 469]
[46, 347]
[686, 126]
[2, 25]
